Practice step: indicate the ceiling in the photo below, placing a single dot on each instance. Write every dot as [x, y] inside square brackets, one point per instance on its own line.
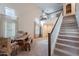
[23, 7]
[50, 7]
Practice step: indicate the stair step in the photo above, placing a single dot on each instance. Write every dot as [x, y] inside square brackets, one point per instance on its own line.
[61, 33]
[67, 46]
[70, 32]
[68, 36]
[69, 42]
[68, 28]
[54, 55]
[77, 36]
[69, 22]
[68, 25]
[68, 39]
[61, 52]
[66, 22]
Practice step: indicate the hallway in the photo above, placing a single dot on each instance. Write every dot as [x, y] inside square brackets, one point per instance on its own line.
[39, 48]
[68, 39]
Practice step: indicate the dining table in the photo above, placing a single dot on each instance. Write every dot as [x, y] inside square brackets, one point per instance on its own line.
[21, 41]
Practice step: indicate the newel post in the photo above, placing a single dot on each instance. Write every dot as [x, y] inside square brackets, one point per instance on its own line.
[49, 44]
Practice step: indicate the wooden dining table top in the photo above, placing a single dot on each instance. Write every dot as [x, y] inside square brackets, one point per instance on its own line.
[23, 37]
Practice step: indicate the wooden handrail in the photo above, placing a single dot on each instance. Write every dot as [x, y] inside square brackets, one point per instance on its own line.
[55, 24]
[49, 44]
[54, 11]
[49, 37]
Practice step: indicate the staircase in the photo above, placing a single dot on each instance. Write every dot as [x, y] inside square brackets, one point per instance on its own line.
[68, 39]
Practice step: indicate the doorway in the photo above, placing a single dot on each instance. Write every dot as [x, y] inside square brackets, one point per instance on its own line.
[68, 9]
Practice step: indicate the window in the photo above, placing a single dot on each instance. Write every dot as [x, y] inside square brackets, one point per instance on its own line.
[9, 12]
[10, 23]
[9, 29]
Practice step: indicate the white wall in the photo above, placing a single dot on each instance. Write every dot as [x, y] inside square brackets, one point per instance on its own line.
[1, 20]
[72, 9]
[50, 7]
[1, 25]
[1, 9]
[26, 19]
[77, 13]
[26, 15]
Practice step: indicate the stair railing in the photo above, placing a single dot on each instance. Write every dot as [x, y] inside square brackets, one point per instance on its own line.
[52, 36]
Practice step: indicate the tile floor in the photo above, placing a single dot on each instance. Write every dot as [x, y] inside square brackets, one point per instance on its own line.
[39, 48]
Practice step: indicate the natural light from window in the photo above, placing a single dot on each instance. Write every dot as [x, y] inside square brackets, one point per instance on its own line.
[9, 12]
[10, 23]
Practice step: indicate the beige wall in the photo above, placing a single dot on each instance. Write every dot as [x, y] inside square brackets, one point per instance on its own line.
[73, 9]
[26, 19]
